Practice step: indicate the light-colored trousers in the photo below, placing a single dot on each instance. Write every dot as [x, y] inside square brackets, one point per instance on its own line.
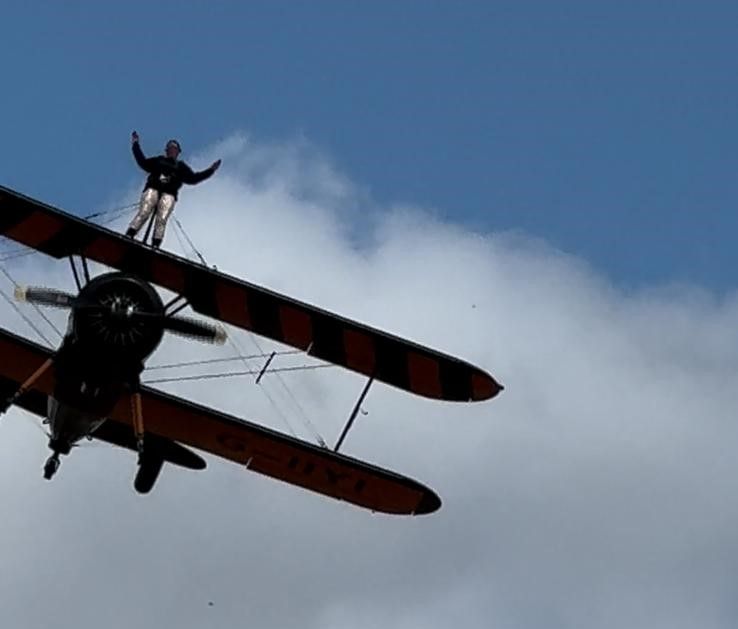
[164, 204]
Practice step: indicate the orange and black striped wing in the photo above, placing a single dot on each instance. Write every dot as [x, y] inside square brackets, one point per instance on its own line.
[19, 358]
[327, 336]
[280, 456]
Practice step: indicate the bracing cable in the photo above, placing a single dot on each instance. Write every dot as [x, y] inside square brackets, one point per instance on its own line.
[36, 307]
[26, 318]
[301, 410]
[209, 361]
[233, 374]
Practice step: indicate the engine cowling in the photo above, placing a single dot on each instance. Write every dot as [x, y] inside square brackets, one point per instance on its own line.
[117, 313]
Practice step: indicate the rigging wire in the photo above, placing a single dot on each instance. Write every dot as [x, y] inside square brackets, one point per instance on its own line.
[16, 254]
[189, 240]
[19, 251]
[240, 354]
[301, 410]
[25, 317]
[117, 209]
[306, 419]
[242, 357]
[181, 242]
[208, 361]
[233, 374]
[36, 307]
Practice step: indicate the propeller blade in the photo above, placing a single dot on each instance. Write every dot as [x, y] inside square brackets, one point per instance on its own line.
[45, 296]
[184, 326]
[195, 329]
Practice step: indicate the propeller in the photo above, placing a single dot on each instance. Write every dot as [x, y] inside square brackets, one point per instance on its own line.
[176, 324]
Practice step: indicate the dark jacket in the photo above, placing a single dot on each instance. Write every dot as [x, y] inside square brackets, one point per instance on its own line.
[167, 174]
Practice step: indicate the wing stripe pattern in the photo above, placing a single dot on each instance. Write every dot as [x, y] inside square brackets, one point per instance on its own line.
[284, 458]
[297, 327]
[263, 315]
[329, 337]
[262, 450]
[362, 358]
[10, 216]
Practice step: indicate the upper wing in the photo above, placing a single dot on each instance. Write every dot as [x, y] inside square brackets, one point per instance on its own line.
[261, 450]
[324, 335]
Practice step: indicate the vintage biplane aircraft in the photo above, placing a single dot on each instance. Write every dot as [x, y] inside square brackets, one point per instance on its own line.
[91, 387]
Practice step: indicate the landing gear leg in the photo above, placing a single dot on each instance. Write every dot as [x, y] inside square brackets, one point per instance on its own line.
[8, 402]
[138, 423]
[52, 464]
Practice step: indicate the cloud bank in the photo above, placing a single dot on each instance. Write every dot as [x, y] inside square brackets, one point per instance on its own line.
[598, 490]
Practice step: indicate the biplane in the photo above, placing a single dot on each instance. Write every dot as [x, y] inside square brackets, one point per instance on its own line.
[90, 387]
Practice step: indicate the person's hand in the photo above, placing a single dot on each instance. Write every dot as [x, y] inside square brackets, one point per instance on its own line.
[134, 137]
[215, 165]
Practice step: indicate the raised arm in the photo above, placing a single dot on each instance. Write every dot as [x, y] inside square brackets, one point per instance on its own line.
[192, 178]
[141, 159]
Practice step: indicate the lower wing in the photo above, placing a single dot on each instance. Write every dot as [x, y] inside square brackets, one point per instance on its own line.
[259, 449]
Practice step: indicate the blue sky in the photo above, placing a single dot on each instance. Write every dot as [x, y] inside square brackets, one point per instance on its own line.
[606, 128]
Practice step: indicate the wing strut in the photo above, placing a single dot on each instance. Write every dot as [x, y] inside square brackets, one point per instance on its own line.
[354, 413]
[27, 384]
[75, 273]
[138, 422]
[265, 367]
[85, 268]
[175, 305]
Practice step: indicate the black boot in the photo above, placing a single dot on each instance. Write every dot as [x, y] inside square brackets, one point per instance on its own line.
[156, 243]
[131, 233]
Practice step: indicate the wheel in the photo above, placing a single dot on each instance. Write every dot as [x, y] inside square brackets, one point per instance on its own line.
[148, 472]
[52, 464]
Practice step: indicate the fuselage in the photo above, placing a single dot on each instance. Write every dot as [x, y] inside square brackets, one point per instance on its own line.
[102, 355]
[68, 425]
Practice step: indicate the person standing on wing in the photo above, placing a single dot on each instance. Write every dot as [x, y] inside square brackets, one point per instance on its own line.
[167, 173]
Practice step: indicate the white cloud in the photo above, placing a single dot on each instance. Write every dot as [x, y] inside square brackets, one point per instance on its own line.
[597, 490]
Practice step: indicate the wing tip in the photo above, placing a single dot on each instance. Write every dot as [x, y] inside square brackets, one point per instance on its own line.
[429, 503]
[484, 387]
